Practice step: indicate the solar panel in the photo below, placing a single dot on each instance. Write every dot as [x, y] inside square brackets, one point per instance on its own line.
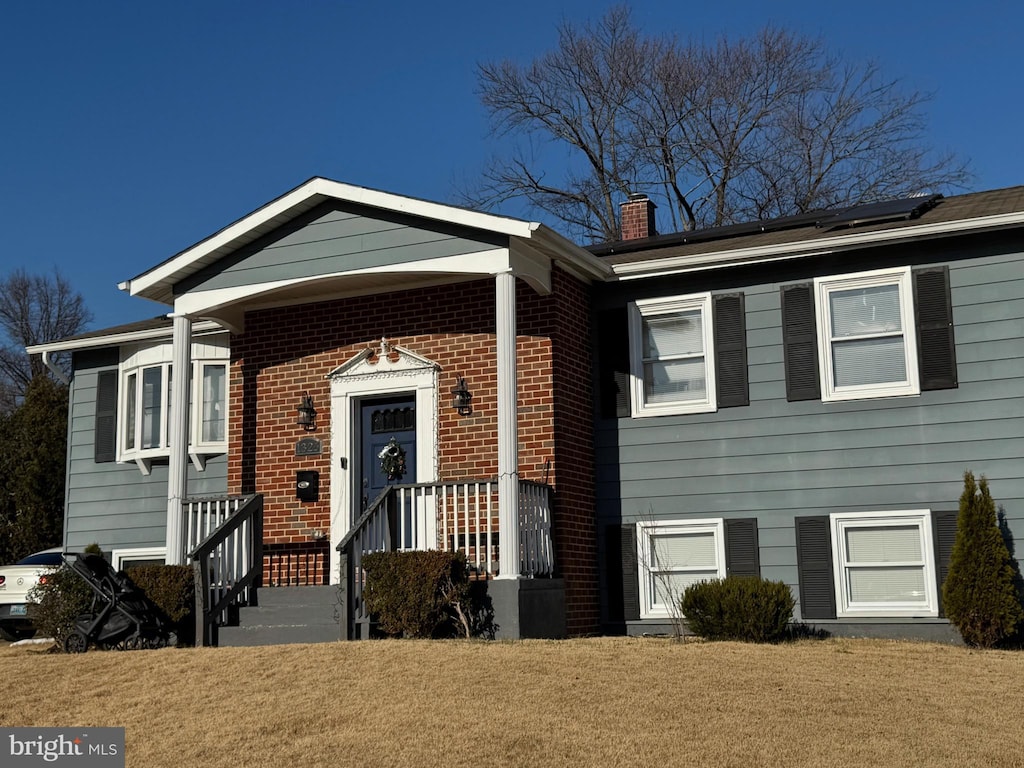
[888, 210]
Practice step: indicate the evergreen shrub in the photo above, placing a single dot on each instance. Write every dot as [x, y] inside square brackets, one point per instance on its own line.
[417, 594]
[738, 608]
[979, 594]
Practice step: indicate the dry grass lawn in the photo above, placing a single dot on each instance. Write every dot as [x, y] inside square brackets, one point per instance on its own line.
[600, 702]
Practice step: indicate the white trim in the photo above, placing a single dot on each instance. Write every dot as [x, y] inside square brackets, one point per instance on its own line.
[840, 521]
[479, 263]
[359, 378]
[823, 287]
[815, 247]
[119, 556]
[199, 328]
[644, 308]
[644, 529]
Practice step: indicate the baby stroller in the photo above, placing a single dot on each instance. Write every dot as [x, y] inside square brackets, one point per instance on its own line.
[121, 617]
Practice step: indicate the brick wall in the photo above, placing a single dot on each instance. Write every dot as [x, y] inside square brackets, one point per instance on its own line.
[288, 351]
[637, 217]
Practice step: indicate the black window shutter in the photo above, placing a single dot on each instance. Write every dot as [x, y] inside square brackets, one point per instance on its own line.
[933, 311]
[814, 567]
[622, 574]
[741, 549]
[944, 532]
[105, 434]
[731, 350]
[800, 342]
[613, 362]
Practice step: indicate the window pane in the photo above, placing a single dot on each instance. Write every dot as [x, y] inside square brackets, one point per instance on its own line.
[668, 587]
[887, 585]
[129, 428]
[684, 550]
[152, 399]
[680, 333]
[865, 311]
[884, 544]
[674, 381]
[869, 361]
[213, 403]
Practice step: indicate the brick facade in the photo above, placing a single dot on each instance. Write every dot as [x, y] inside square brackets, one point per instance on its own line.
[288, 351]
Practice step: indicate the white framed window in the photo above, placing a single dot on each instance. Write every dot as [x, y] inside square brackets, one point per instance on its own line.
[145, 403]
[884, 563]
[211, 392]
[674, 554]
[671, 345]
[867, 341]
[123, 559]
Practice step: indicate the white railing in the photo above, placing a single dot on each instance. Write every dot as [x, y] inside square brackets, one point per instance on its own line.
[204, 516]
[225, 543]
[456, 516]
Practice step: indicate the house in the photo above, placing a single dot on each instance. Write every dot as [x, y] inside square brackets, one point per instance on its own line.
[796, 398]
[319, 330]
[800, 398]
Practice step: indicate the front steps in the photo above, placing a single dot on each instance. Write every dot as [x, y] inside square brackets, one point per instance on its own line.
[286, 615]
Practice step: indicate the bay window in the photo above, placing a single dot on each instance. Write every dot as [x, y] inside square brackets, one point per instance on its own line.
[146, 405]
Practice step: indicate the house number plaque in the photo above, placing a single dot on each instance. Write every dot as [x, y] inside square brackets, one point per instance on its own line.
[308, 446]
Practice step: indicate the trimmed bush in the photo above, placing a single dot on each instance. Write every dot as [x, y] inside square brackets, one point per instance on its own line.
[979, 594]
[172, 589]
[738, 608]
[418, 594]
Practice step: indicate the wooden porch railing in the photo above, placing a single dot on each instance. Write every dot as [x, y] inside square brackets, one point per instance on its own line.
[455, 516]
[225, 537]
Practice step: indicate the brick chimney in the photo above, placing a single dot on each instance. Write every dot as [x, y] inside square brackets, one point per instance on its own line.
[638, 217]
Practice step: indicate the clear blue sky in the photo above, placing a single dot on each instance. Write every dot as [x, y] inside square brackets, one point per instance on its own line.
[131, 130]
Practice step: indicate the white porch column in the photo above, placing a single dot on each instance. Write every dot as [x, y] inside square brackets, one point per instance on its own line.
[508, 432]
[177, 436]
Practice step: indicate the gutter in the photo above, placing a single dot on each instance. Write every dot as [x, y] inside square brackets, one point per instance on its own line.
[807, 248]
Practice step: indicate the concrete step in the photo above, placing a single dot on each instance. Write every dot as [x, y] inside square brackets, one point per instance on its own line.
[286, 615]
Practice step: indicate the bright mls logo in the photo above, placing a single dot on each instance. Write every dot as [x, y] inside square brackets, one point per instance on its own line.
[79, 747]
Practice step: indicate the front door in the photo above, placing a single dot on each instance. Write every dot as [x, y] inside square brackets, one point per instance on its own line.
[380, 421]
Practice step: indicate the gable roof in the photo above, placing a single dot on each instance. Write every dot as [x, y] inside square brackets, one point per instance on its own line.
[809, 234]
[158, 282]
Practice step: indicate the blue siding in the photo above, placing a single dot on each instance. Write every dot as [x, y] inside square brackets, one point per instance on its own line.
[115, 505]
[775, 460]
[335, 241]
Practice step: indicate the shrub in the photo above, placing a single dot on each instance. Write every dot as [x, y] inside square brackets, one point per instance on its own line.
[738, 608]
[418, 594]
[979, 593]
[59, 601]
[171, 588]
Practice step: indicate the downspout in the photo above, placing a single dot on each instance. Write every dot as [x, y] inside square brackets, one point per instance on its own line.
[53, 368]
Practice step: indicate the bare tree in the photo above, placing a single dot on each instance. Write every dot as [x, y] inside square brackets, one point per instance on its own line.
[34, 309]
[578, 96]
[764, 126]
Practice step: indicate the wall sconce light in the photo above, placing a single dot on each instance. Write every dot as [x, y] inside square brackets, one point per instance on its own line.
[462, 398]
[307, 414]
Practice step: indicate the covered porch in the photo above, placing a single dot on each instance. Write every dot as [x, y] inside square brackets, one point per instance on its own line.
[308, 285]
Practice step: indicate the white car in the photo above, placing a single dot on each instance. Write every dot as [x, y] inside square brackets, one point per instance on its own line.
[15, 583]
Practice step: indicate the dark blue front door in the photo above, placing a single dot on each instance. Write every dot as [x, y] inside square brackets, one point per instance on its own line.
[382, 419]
